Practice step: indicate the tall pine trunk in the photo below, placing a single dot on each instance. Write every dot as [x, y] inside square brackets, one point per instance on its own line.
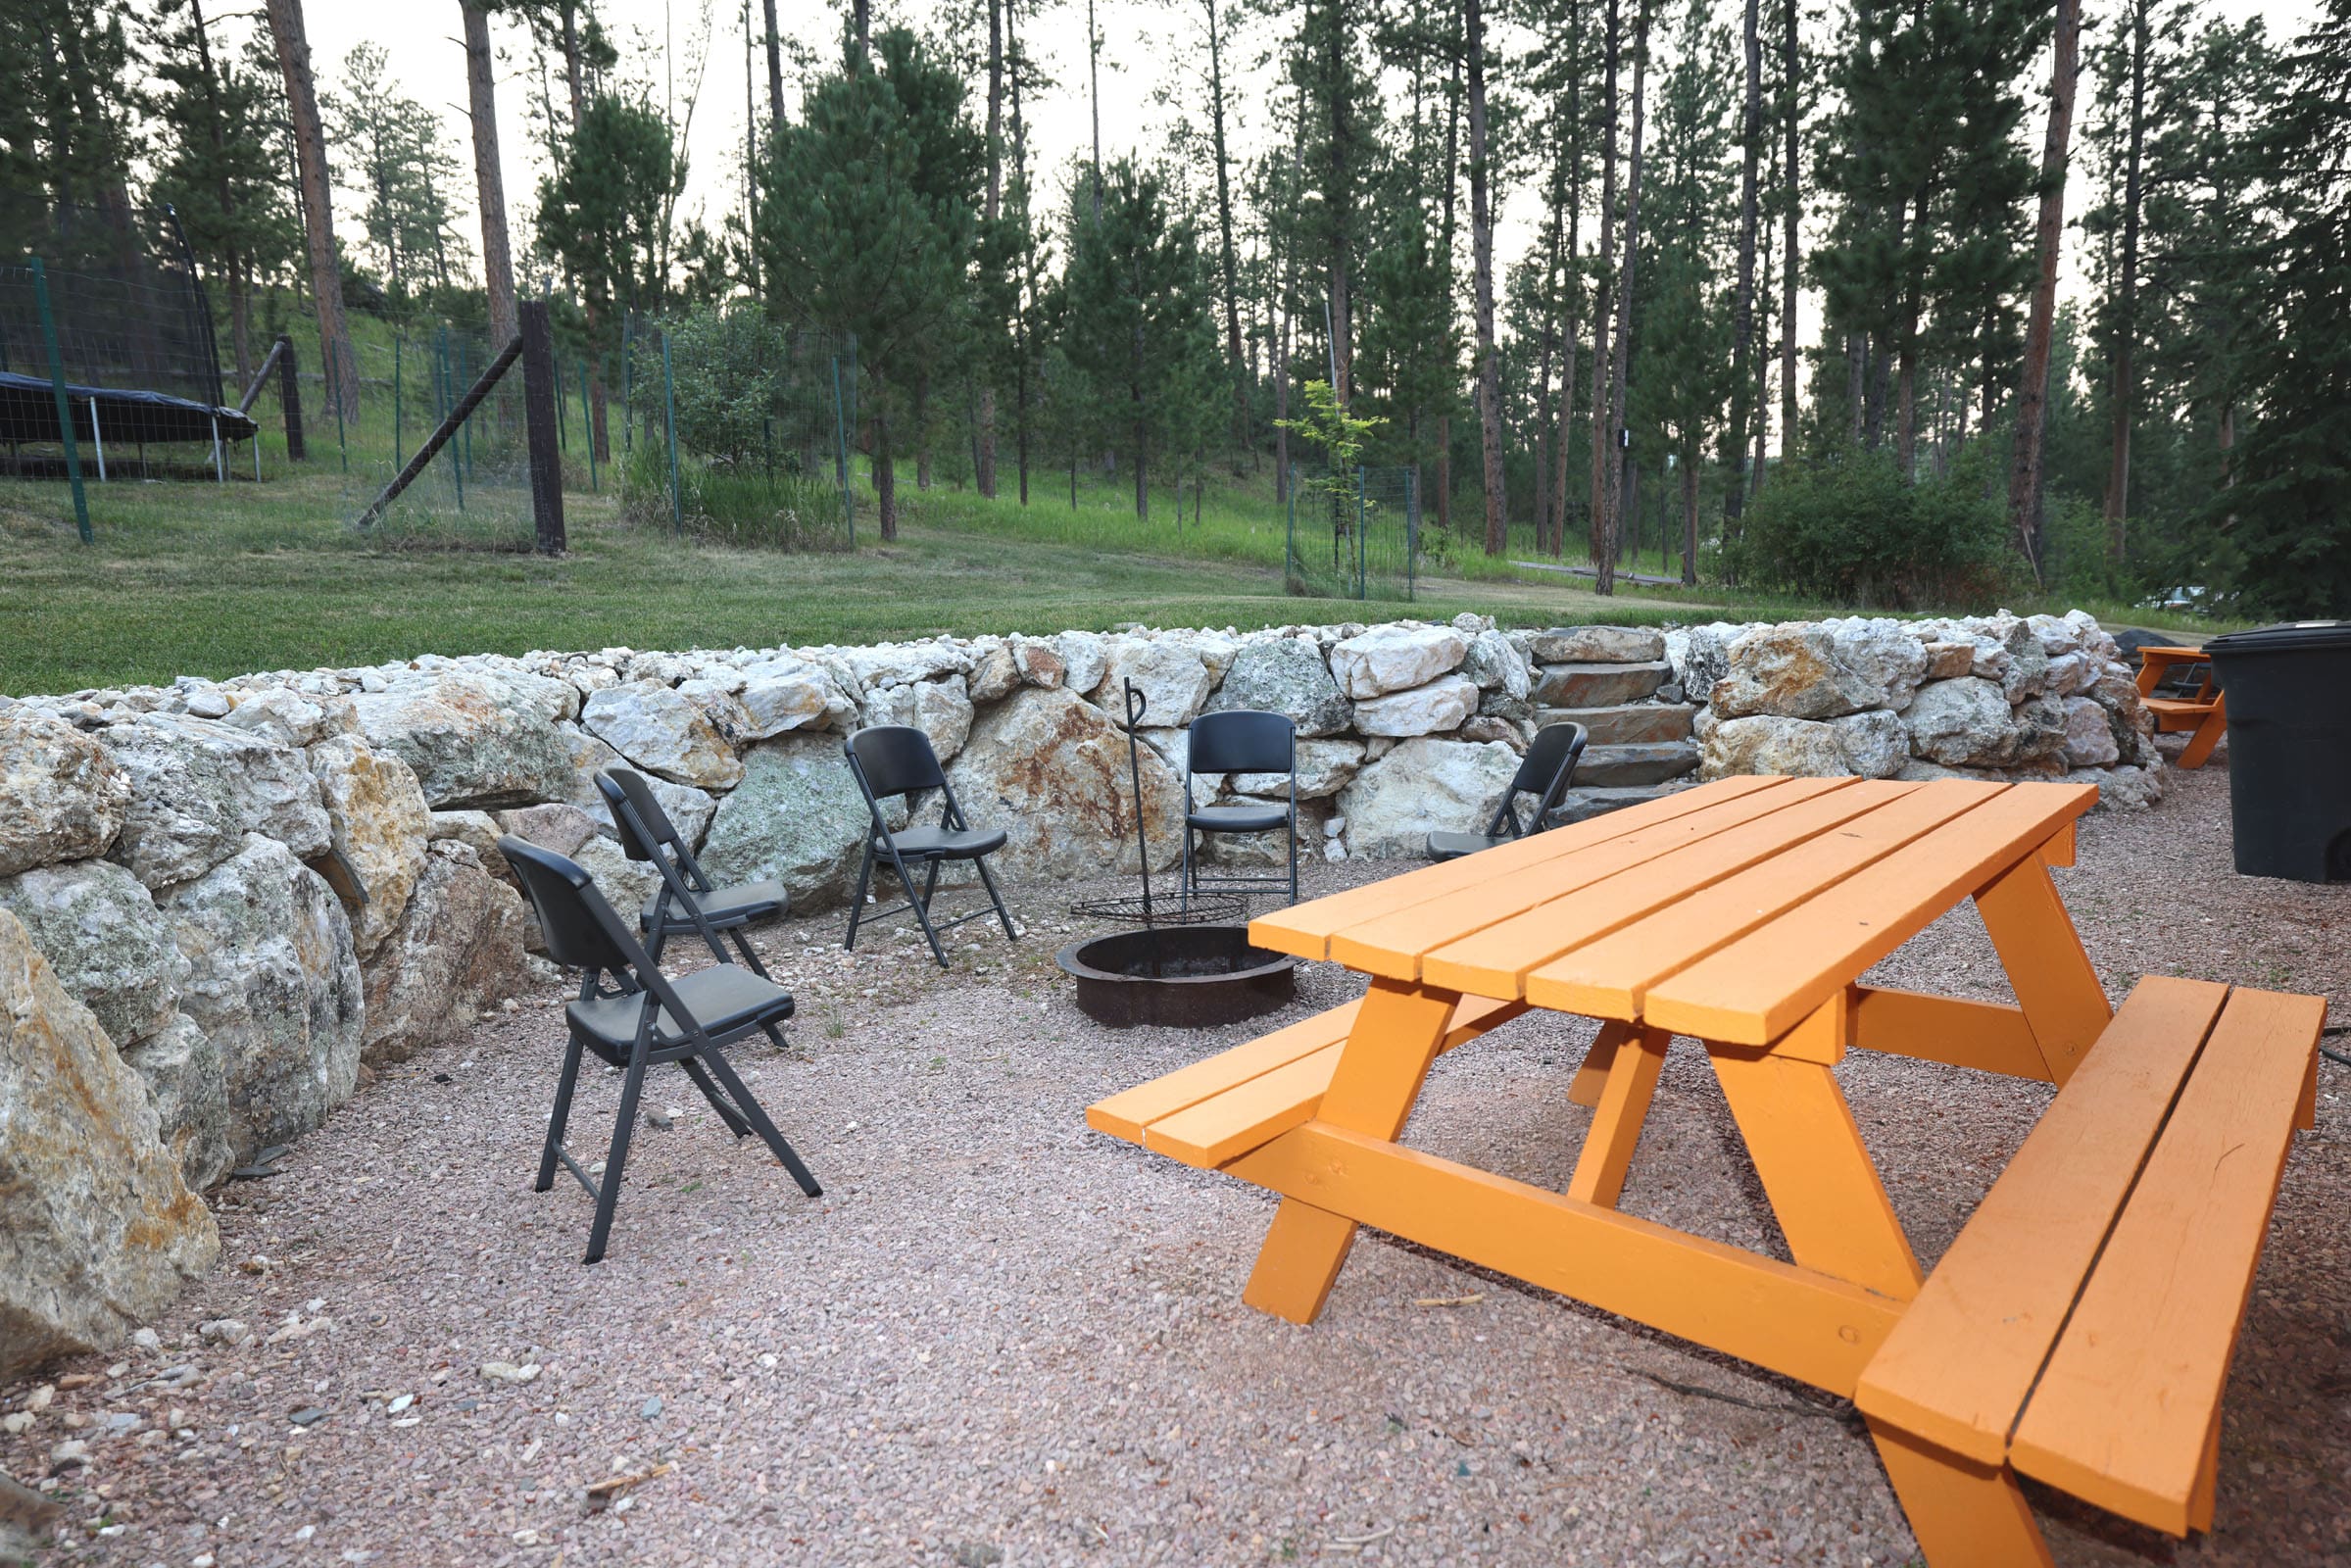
[489, 181]
[1481, 239]
[1224, 231]
[1791, 87]
[983, 458]
[1743, 309]
[292, 42]
[775, 71]
[1453, 194]
[1620, 351]
[2032, 385]
[1571, 292]
[1339, 200]
[1603, 295]
[2126, 388]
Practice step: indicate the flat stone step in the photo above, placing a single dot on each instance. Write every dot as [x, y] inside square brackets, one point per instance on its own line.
[1626, 723]
[1598, 685]
[1582, 805]
[1599, 645]
[1637, 764]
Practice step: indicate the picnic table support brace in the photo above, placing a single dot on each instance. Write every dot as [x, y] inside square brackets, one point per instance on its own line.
[2052, 977]
[1397, 1034]
[1966, 1515]
[1616, 1122]
[1592, 1077]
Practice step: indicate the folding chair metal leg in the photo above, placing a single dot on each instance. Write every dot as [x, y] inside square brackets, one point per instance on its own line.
[608, 1190]
[980, 863]
[561, 1114]
[750, 960]
[922, 905]
[1291, 829]
[718, 1101]
[1191, 883]
[856, 903]
[749, 1105]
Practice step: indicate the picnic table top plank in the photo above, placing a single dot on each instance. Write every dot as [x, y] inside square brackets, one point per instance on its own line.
[1961, 1363]
[1394, 945]
[1609, 978]
[2123, 1410]
[1760, 986]
[1496, 960]
[1305, 929]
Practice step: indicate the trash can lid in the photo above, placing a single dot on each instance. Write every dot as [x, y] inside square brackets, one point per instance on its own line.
[2294, 637]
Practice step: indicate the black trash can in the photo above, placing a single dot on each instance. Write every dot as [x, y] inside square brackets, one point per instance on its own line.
[2288, 690]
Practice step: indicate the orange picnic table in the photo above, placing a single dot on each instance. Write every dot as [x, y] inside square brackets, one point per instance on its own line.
[2204, 713]
[1744, 913]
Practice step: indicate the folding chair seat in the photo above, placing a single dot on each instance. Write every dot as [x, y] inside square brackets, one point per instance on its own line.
[1241, 741]
[891, 760]
[687, 900]
[1545, 772]
[631, 1015]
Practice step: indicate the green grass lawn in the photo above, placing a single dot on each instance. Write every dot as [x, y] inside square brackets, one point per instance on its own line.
[191, 578]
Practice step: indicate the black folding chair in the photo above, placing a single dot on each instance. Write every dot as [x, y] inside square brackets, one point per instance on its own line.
[640, 1021]
[1545, 772]
[890, 760]
[687, 900]
[1241, 741]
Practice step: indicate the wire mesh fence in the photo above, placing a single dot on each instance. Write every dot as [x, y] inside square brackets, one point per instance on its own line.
[1353, 533]
[474, 491]
[735, 429]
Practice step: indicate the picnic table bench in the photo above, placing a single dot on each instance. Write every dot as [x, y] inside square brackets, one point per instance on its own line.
[2205, 711]
[2078, 1331]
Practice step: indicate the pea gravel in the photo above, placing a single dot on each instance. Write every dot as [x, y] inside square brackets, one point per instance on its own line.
[1001, 1339]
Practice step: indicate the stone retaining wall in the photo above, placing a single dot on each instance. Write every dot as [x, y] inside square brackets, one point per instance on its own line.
[255, 890]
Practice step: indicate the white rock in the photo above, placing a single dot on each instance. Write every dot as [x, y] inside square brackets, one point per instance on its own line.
[1394, 658]
[660, 730]
[1423, 786]
[1443, 705]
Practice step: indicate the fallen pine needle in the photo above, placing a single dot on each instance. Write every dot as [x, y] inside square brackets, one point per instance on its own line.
[1471, 1299]
[601, 1493]
[1381, 1534]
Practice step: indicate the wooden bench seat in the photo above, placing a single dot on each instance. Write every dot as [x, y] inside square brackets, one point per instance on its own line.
[1216, 1111]
[2079, 1331]
[2204, 715]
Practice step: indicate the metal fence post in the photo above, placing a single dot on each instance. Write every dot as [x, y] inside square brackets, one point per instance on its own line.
[57, 389]
[1411, 533]
[335, 384]
[677, 511]
[289, 399]
[1290, 534]
[1363, 580]
[629, 385]
[399, 460]
[849, 509]
[542, 426]
[587, 421]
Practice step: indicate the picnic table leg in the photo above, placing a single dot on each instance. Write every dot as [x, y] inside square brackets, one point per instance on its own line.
[1965, 1514]
[2208, 735]
[1594, 1074]
[1815, 1171]
[1624, 1104]
[1396, 1035]
[2054, 983]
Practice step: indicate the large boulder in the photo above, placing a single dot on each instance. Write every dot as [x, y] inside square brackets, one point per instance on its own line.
[665, 733]
[108, 944]
[1170, 674]
[786, 693]
[458, 948]
[1443, 705]
[688, 808]
[289, 717]
[1083, 659]
[2089, 740]
[1875, 743]
[1420, 787]
[98, 1230]
[1051, 771]
[1324, 768]
[1497, 664]
[1394, 658]
[62, 795]
[199, 786]
[1820, 669]
[797, 817]
[903, 664]
[378, 826]
[275, 982]
[937, 708]
[475, 737]
[1766, 743]
[1969, 724]
[1284, 675]
[186, 1083]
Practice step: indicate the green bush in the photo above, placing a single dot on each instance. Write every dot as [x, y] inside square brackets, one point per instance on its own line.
[1848, 528]
[724, 506]
[723, 359]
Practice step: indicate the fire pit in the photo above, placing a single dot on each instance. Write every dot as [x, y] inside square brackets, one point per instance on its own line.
[1182, 977]
[1190, 965]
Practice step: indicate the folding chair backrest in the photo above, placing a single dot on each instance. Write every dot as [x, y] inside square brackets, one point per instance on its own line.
[1241, 739]
[626, 795]
[895, 759]
[582, 931]
[1544, 772]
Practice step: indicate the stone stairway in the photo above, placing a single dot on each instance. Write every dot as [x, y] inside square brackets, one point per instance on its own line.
[1616, 682]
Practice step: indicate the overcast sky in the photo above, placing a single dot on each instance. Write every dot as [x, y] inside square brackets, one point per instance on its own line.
[1149, 51]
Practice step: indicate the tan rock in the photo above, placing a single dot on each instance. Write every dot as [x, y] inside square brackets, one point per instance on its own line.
[62, 795]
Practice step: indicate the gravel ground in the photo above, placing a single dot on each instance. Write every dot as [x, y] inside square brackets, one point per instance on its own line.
[1001, 1339]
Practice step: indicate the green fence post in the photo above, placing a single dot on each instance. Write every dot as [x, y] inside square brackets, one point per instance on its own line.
[1411, 532]
[1362, 579]
[628, 383]
[335, 379]
[849, 509]
[399, 462]
[465, 431]
[57, 389]
[587, 421]
[677, 511]
[1290, 535]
